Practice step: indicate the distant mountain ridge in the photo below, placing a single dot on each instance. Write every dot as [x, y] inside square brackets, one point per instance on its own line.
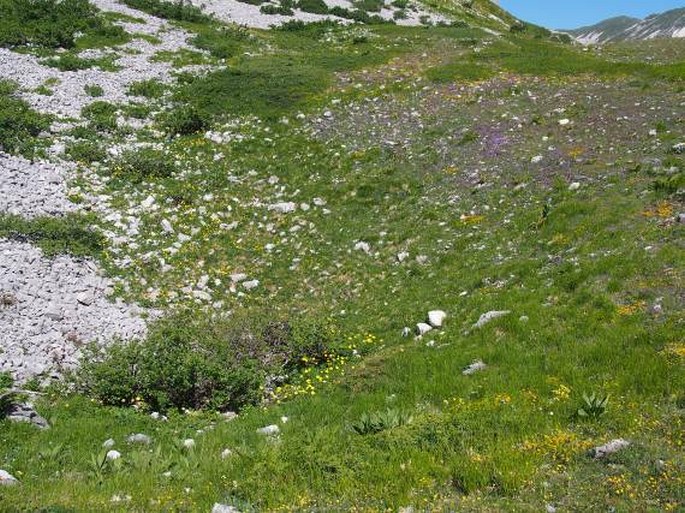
[668, 24]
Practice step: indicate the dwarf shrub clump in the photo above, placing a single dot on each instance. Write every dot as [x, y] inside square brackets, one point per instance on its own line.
[19, 124]
[189, 363]
[53, 23]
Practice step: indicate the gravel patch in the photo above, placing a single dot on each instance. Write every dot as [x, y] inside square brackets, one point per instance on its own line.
[32, 189]
[51, 308]
[234, 11]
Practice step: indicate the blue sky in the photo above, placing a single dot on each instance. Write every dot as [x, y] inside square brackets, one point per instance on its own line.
[576, 13]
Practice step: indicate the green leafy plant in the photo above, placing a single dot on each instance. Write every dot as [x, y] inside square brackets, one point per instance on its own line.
[593, 407]
[19, 124]
[371, 423]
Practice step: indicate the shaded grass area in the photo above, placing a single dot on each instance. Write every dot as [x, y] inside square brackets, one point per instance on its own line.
[71, 234]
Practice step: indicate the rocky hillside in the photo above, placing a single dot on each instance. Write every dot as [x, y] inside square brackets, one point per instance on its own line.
[382, 256]
[670, 24]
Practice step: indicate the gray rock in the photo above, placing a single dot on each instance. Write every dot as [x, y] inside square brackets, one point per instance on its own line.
[272, 430]
[24, 412]
[476, 366]
[285, 207]
[678, 148]
[681, 218]
[7, 479]
[489, 316]
[139, 438]
[608, 448]
[223, 508]
[252, 284]
[422, 328]
[436, 318]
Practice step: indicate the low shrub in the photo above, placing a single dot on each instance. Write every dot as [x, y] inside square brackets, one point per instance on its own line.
[94, 91]
[86, 151]
[313, 6]
[19, 124]
[189, 363]
[72, 62]
[147, 88]
[284, 8]
[54, 24]
[102, 116]
[144, 164]
[372, 423]
[178, 10]
[184, 120]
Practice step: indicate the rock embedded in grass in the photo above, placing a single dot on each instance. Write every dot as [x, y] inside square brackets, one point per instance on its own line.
[422, 328]
[7, 479]
[489, 316]
[139, 438]
[25, 412]
[476, 366]
[608, 448]
[272, 430]
[224, 508]
[436, 318]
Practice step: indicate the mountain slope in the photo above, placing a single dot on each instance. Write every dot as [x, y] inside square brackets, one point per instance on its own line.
[624, 28]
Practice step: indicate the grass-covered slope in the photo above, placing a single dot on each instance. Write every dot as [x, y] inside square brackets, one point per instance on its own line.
[422, 168]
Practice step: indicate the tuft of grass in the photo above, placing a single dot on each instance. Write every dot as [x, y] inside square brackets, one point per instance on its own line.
[19, 124]
[71, 234]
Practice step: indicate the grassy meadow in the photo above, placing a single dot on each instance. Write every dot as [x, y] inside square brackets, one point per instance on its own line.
[428, 168]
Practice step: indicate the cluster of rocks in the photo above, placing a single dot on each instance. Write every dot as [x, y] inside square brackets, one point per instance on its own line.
[31, 189]
[25, 412]
[235, 11]
[52, 307]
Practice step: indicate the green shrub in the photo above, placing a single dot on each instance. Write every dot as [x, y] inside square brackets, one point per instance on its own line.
[285, 8]
[369, 5]
[147, 88]
[372, 423]
[53, 23]
[102, 116]
[6, 380]
[94, 91]
[143, 164]
[189, 363]
[222, 43]
[19, 124]
[313, 6]
[178, 10]
[86, 151]
[184, 120]
[72, 62]
[71, 234]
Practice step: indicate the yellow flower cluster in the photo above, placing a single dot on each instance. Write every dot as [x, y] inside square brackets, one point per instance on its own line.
[632, 308]
[561, 446]
[324, 369]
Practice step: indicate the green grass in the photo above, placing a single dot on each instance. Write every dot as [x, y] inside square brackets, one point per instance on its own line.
[71, 234]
